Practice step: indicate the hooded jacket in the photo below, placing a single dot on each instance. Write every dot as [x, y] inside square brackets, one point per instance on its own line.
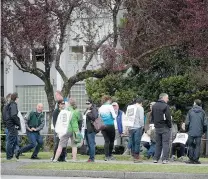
[90, 118]
[196, 122]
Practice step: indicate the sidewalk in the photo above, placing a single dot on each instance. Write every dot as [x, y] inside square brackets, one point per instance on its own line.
[14, 168]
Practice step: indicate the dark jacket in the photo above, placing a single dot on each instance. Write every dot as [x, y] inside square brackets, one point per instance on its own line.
[196, 122]
[90, 118]
[12, 121]
[161, 116]
[55, 116]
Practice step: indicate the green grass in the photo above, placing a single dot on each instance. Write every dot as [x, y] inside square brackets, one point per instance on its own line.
[120, 167]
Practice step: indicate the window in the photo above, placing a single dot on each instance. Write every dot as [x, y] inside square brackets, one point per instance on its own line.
[30, 96]
[40, 54]
[79, 94]
[76, 53]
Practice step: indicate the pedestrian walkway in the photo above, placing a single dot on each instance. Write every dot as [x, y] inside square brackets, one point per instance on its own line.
[15, 167]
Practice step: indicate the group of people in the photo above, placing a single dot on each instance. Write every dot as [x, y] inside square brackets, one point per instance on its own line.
[157, 125]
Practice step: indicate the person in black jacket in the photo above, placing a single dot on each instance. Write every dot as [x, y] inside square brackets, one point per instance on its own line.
[12, 124]
[91, 115]
[196, 126]
[60, 106]
[161, 118]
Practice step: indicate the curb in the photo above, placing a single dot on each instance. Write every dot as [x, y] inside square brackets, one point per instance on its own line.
[103, 174]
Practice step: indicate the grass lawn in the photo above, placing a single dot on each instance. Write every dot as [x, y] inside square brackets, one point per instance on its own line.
[119, 167]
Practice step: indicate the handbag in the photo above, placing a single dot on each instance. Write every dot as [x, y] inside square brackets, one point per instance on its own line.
[98, 124]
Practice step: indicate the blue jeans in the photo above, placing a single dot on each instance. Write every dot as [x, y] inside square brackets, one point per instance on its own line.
[135, 140]
[36, 141]
[10, 145]
[91, 145]
[151, 150]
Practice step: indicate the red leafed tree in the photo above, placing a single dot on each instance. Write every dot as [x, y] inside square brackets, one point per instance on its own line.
[31, 24]
[151, 25]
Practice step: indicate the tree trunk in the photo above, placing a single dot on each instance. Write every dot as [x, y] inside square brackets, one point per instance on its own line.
[51, 104]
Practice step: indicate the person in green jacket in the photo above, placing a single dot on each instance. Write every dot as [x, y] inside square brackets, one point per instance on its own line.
[73, 132]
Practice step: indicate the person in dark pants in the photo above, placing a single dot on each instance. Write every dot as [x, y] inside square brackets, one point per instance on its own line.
[196, 126]
[60, 106]
[91, 115]
[12, 124]
[108, 115]
[34, 122]
[161, 118]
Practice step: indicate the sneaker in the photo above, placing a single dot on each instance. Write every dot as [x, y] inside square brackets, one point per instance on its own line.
[155, 161]
[137, 160]
[90, 161]
[197, 162]
[54, 161]
[106, 159]
[165, 162]
[112, 158]
[35, 158]
[189, 162]
[173, 158]
[17, 154]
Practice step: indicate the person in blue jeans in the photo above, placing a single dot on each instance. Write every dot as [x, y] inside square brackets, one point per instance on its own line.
[34, 123]
[136, 131]
[91, 115]
[10, 116]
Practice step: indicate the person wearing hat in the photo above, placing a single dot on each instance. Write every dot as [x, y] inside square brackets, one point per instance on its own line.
[91, 116]
[118, 122]
[60, 106]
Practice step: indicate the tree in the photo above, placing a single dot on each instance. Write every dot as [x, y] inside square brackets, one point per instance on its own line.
[152, 25]
[30, 25]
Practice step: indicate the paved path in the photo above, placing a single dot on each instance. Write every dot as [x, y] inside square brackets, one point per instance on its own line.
[14, 168]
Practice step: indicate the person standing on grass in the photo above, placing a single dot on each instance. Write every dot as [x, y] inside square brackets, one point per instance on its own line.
[61, 106]
[161, 118]
[12, 121]
[34, 122]
[136, 131]
[91, 116]
[74, 126]
[108, 115]
[196, 126]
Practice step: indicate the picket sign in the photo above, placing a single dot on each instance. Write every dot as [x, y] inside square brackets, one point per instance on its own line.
[22, 124]
[145, 138]
[181, 138]
[83, 126]
[63, 122]
[130, 116]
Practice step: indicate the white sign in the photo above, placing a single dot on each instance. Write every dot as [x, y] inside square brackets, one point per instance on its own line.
[130, 116]
[83, 126]
[145, 138]
[22, 124]
[63, 122]
[181, 138]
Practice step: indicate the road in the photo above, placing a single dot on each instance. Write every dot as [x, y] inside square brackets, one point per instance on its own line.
[40, 177]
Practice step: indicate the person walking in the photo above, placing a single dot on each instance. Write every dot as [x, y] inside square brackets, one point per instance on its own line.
[196, 126]
[136, 131]
[12, 124]
[108, 115]
[91, 116]
[161, 118]
[74, 127]
[60, 106]
[34, 122]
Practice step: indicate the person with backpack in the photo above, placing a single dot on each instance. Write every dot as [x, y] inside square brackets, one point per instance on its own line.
[12, 121]
[34, 122]
[91, 115]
